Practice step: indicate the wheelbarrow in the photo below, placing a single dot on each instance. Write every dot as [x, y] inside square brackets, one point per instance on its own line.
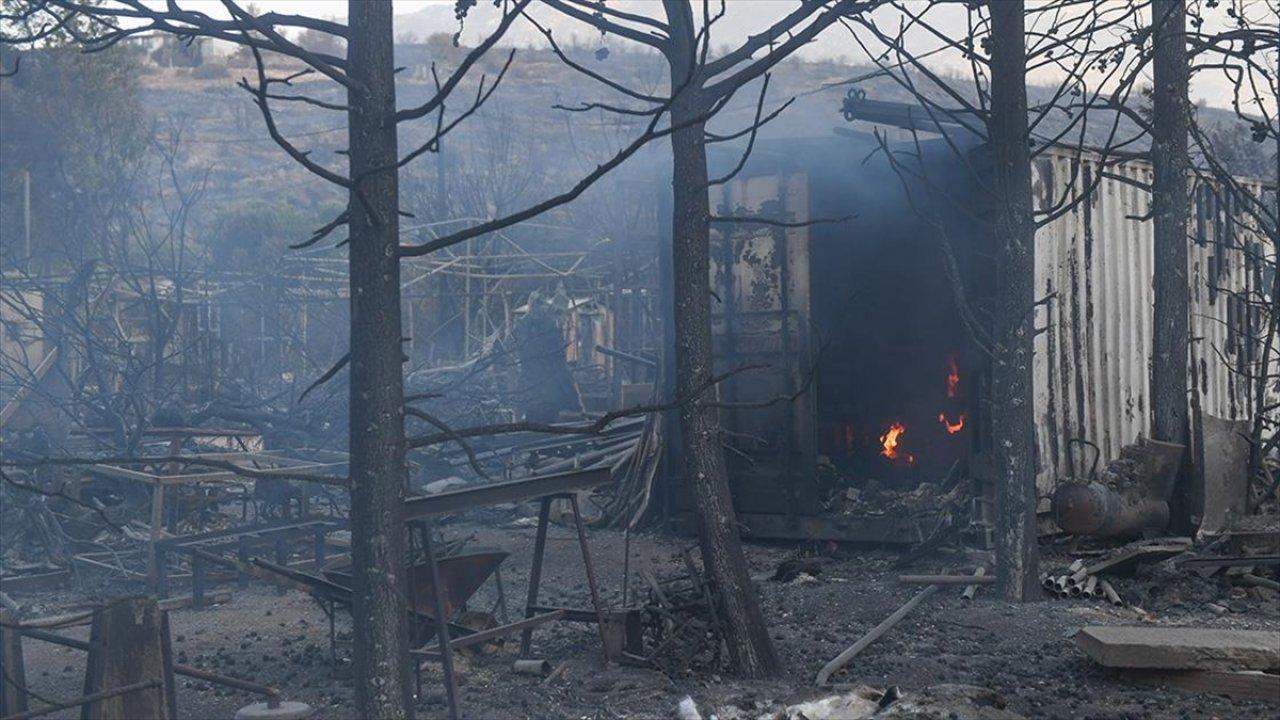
[461, 575]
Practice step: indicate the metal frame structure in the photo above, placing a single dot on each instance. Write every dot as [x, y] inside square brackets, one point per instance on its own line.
[160, 480]
[545, 489]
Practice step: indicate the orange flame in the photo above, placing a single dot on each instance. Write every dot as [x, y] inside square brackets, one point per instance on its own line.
[952, 428]
[953, 377]
[889, 443]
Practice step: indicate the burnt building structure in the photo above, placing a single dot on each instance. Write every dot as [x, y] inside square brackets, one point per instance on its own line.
[866, 317]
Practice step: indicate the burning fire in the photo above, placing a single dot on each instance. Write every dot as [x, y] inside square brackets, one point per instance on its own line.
[953, 390]
[952, 428]
[953, 379]
[889, 443]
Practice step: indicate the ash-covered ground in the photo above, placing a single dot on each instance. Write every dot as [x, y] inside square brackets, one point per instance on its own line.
[1025, 654]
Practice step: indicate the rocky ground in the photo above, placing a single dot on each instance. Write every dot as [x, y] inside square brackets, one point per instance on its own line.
[1023, 656]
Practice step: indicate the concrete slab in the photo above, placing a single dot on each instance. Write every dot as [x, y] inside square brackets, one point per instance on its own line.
[1177, 648]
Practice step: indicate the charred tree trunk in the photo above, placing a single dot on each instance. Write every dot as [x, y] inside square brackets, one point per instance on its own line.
[377, 445]
[1171, 118]
[1012, 419]
[751, 650]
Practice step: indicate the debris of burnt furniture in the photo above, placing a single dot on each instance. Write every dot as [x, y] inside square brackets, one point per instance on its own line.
[677, 623]
[169, 481]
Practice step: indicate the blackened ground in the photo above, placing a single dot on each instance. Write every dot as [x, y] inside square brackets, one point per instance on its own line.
[1023, 652]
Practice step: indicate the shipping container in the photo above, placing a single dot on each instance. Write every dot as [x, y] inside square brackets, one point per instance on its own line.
[866, 322]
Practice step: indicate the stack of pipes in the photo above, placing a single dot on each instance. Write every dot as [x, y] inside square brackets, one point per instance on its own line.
[1077, 581]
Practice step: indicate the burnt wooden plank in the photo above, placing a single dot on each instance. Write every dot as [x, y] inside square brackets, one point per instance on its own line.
[1126, 559]
[1245, 685]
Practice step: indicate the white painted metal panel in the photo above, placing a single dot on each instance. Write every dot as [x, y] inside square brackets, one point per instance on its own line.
[1092, 362]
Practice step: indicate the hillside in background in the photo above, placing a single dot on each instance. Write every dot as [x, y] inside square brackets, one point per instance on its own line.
[519, 148]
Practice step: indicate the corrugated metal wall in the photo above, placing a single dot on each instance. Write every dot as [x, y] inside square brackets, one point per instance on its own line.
[1092, 362]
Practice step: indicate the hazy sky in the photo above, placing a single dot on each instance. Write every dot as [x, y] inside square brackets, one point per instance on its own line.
[747, 16]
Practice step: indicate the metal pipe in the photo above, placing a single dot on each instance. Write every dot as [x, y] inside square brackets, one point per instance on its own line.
[531, 667]
[844, 657]
[55, 638]
[945, 580]
[1110, 593]
[1091, 586]
[1251, 579]
[971, 590]
[272, 694]
[643, 361]
[1078, 577]
[40, 712]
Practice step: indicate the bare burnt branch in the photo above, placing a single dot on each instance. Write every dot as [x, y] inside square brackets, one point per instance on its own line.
[259, 93]
[592, 428]
[327, 376]
[445, 428]
[753, 128]
[433, 143]
[598, 77]
[651, 133]
[324, 230]
[654, 37]
[58, 493]
[446, 89]
[754, 69]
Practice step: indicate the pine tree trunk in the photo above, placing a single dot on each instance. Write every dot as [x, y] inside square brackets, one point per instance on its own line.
[1171, 118]
[1012, 417]
[377, 445]
[750, 648]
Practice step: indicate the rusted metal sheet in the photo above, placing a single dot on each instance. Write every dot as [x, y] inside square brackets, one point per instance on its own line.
[761, 278]
[1092, 362]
